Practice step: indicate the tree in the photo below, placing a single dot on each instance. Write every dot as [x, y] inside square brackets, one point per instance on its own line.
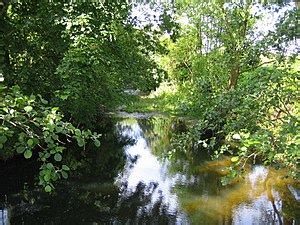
[245, 105]
[43, 42]
[230, 30]
[78, 56]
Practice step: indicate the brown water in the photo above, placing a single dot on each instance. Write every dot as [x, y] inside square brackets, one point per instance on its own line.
[263, 196]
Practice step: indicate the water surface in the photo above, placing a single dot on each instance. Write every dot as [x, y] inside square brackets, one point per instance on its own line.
[135, 180]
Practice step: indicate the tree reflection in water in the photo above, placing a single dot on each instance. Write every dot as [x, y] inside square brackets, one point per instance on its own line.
[132, 181]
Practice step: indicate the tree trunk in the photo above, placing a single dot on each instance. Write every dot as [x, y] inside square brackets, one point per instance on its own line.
[234, 74]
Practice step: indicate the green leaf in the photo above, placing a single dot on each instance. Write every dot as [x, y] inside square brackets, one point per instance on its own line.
[66, 168]
[59, 129]
[53, 151]
[233, 173]
[64, 174]
[234, 159]
[27, 154]
[35, 141]
[28, 108]
[253, 142]
[77, 132]
[54, 137]
[225, 181]
[32, 97]
[47, 155]
[21, 137]
[3, 139]
[48, 139]
[244, 148]
[54, 109]
[47, 177]
[20, 149]
[30, 142]
[55, 176]
[59, 149]
[44, 101]
[80, 142]
[48, 188]
[49, 166]
[97, 143]
[57, 157]
[5, 109]
[64, 97]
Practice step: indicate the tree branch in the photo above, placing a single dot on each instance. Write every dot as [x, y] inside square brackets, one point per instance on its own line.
[259, 65]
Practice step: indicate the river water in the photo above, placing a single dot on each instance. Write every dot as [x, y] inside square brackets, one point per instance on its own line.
[135, 180]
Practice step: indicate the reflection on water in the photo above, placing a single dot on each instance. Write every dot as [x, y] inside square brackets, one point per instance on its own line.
[137, 183]
[4, 220]
[262, 197]
[146, 170]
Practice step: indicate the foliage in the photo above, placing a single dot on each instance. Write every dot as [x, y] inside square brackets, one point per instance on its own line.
[88, 80]
[34, 45]
[82, 56]
[93, 73]
[30, 127]
[162, 100]
[224, 40]
[268, 119]
[238, 82]
[260, 126]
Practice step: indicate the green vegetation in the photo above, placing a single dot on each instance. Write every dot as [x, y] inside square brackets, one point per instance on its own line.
[80, 57]
[239, 82]
[28, 124]
[75, 61]
[62, 67]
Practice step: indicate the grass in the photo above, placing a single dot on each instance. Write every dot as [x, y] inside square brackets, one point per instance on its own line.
[163, 100]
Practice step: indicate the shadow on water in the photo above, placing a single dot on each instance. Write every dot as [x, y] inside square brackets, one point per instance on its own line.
[132, 180]
[110, 187]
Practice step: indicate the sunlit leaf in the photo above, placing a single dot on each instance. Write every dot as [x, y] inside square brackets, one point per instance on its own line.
[28, 108]
[236, 137]
[48, 188]
[234, 159]
[27, 154]
[30, 142]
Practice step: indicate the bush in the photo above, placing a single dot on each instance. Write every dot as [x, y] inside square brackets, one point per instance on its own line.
[258, 121]
[31, 128]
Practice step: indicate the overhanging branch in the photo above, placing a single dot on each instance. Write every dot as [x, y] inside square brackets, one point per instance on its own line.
[259, 65]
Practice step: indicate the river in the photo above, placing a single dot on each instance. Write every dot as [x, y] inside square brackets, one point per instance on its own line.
[135, 180]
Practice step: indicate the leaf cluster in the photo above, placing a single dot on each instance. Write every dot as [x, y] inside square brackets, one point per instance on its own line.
[32, 128]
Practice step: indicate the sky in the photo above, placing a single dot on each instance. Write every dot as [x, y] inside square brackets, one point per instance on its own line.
[146, 14]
